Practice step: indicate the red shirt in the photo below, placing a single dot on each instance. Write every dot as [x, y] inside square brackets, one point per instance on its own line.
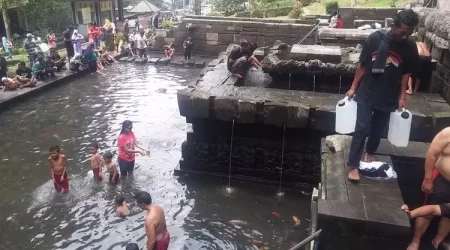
[129, 141]
[94, 33]
[339, 24]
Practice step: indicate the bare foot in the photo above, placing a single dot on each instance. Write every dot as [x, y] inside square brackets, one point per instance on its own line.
[406, 209]
[369, 158]
[413, 246]
[409, 92]
[353, 174]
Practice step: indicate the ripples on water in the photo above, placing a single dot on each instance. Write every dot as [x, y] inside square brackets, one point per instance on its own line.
[91, 109]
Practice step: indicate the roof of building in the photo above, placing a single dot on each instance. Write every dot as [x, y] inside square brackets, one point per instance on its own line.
[144, 7]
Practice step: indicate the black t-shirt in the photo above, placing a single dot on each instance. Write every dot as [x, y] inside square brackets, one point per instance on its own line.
[235, 54]
[26, 72]
[67, 36]
[381, 91]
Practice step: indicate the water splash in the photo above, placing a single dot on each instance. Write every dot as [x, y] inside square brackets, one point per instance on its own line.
[314, 84]
[290, 81]
[340, 83]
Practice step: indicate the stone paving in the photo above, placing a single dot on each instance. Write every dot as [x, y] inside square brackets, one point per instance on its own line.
[360, 214]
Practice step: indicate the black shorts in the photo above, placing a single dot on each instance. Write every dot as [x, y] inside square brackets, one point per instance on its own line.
[441, 195]
[126, 167]
[115, 180]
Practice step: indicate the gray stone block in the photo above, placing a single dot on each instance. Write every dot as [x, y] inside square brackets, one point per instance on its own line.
[141, 60]
[123, 59]
[199, 64]
[196, 106]
[130, 59]
[327, 54]
[225, 108]
[153, 60]
[246, 111]
[177, 62]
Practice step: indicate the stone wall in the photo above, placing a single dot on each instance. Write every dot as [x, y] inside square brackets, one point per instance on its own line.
[212, 36]
[434, 30]
[350, 14]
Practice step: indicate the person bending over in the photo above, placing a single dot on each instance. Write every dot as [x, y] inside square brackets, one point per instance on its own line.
[50, 67]
[437, 189]
[57, 60]
[169, 51]
[239, 60]
[158, 237]
[387, 60]
[425, 62]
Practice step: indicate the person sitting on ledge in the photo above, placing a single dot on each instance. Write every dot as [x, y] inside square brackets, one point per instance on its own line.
[60, 63]
[39, 68]
[425, 62]
[50, 67]
[25, 72]
[169, 51]
[436, 186]
[24, 82]
[106, 56]
[239, 59]
[387, 60]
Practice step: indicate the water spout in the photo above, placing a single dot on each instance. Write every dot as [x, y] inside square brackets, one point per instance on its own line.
[289, 81]
[229, 189]
[340, 83]
[280, 193]
[314, 84]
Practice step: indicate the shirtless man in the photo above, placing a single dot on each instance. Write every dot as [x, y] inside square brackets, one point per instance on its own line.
[111, 166]
[424, 59]
[58, 169]
[437, 189]
[96, 161]
[158, 237]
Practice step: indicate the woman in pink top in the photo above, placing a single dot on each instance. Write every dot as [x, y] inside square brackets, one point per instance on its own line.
[127, 149]
[51, 39]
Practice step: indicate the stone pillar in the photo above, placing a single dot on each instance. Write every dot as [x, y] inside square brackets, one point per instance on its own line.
[120, 9]
[74, 14]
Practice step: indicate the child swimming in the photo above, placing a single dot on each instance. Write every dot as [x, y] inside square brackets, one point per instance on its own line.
[122, 207]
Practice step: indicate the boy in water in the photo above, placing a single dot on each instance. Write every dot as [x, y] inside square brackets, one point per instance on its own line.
[96, 161]
[111, 166]
[122, 207]
[58, 169]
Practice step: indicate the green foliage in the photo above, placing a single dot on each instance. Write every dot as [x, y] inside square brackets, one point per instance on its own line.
[215, 13]
[229, 7]
[331, 6]
[167, 24]
[283, 11]
[242, 14]
[44, 14]
[296, 12]
[307, 2]
[19, 51]
[257, 13]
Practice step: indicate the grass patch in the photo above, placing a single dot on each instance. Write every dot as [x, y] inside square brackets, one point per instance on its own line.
[318, 8]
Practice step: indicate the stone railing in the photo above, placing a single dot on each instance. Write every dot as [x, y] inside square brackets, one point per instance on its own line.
[350, 14]
[434, 30]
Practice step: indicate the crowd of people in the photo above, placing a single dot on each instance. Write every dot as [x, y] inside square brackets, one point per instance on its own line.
[157, 234]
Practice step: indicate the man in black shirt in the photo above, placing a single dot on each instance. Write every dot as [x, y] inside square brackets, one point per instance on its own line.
[31, 48]
[387, 60]
[68, 42]
[238, 59]
[24, 74]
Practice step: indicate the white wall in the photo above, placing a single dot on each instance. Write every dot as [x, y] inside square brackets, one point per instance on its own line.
[444, 4]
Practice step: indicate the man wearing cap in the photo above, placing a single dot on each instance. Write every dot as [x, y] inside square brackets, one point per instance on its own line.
[31, 48]
[158, 237]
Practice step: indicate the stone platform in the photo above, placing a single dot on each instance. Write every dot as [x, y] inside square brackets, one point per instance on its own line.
[216, 96]
[358, 216]
[326, 54]
[343, 37]
[197, 63]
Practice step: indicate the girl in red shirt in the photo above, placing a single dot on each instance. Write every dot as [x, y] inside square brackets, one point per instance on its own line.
[127, 149]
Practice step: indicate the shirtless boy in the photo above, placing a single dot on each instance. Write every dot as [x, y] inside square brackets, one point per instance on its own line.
[96, 161]
[158, 237]
[437, 189]
[58, 169]
[111, 166]
[122, 207]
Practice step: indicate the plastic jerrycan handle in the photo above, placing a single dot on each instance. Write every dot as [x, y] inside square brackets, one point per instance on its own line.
[342, 102]
[404, 114]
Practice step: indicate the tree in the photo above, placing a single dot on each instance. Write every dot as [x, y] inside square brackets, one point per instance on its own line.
[5, 5]
[229, 7]
[52, 14]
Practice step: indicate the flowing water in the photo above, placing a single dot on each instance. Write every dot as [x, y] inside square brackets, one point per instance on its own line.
[34, 216]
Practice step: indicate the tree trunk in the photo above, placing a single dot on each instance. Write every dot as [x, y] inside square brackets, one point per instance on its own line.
[6, 21]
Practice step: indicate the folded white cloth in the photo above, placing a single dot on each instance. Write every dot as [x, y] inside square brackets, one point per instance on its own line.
[377, 170]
